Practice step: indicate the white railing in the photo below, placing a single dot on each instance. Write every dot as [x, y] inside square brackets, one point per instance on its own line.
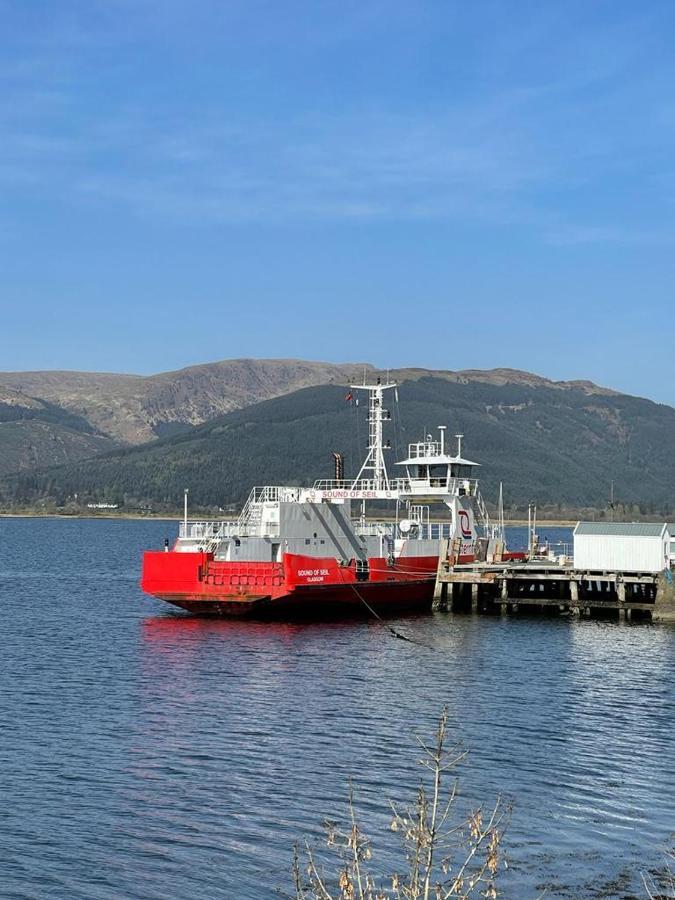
[483, 514]
[206, 531]
[372, 529]
[251, 512]
[438, 530]
[363, 484]
[431, 531]
[272, 493]
[454, 486]
[422, 449]
[553, 550]
[209, 534]
[269, 494]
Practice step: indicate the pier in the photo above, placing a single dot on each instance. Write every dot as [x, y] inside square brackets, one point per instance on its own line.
[541, 586]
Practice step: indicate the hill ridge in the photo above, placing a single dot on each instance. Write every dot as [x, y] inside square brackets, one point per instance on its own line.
[133, 409]
[548, 445]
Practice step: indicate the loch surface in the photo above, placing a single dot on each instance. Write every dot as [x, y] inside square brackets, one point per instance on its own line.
[148, 754]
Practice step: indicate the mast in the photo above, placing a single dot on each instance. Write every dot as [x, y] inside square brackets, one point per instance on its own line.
[500, 512]
[374, 462]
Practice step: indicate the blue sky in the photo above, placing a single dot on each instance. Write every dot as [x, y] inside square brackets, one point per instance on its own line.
[444, 184]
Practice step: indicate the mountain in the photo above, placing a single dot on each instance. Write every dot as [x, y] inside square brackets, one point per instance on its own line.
[549, 442]
[62, 417]
[35, 434]
[133, 409]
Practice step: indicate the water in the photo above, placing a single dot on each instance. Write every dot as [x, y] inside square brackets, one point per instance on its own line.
[146, 754]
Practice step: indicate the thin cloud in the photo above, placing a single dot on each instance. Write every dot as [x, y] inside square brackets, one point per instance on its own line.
[571, 235]
[515, 149]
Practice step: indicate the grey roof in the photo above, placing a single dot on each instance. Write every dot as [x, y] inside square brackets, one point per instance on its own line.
[437, 460]
[625, 529]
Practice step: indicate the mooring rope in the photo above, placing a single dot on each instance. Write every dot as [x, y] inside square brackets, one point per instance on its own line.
[390, 629]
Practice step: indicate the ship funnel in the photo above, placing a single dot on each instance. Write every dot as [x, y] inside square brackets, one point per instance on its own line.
[339, 460]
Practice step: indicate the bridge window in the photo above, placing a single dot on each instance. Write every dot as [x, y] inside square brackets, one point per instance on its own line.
[438, 476]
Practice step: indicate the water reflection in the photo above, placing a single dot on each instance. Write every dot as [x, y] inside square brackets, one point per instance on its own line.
[540, 703]
[164, 755]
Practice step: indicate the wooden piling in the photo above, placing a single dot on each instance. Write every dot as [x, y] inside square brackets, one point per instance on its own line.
[664, 603]
[440, 600]
[508, 586]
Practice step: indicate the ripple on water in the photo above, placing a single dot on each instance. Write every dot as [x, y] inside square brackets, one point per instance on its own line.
[148, 754]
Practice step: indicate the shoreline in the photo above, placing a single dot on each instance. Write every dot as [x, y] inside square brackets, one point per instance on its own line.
[122, 516]
[165, 517]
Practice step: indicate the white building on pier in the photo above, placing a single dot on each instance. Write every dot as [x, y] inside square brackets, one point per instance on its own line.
[622, 546]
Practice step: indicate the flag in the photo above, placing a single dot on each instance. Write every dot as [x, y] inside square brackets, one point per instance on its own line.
[349, 397]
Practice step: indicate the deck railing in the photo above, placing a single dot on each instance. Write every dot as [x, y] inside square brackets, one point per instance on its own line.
[208, 534]
[429, 531]
[458, 486]
[363, 484]
[207, 531]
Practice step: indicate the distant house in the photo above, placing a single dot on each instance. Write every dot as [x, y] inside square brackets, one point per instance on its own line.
[671, 532]
[622, 546]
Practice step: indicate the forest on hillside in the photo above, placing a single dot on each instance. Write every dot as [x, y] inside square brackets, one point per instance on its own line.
[560, 448]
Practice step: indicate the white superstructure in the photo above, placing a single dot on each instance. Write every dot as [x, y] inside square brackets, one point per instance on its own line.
[433, 483]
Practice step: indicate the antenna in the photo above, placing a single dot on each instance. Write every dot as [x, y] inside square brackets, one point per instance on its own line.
[532, 540]
[611, 501]
[500, 511]
[442, 428]
[459, 444]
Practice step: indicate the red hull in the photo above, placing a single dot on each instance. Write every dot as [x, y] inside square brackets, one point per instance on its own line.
[301, 585]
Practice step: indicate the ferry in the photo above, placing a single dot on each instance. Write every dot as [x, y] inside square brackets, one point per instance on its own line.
[315, 550]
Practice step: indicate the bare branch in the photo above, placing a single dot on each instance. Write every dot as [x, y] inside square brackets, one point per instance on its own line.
[444, 857]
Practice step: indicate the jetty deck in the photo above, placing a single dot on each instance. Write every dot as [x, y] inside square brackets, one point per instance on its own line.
[539, 585]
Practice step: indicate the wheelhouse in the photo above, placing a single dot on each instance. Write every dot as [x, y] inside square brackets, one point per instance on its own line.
[430, 469]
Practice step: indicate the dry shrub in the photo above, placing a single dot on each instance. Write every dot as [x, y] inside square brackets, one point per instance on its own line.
[661, 886]
[443, 855]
